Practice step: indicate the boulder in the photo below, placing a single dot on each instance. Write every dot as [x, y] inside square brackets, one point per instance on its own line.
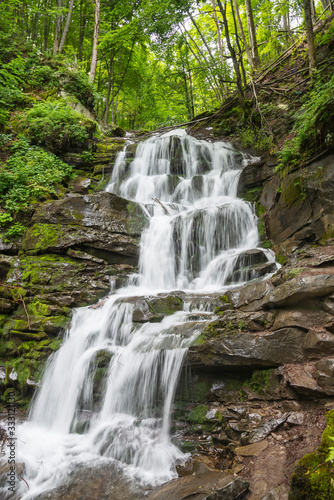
[304, 210]
[238, 349]
[205, 486]
[101, 224]
[299, 289]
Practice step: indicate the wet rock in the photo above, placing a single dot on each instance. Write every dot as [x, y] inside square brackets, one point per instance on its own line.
[254, 175]
[80, 184]
[280, 492]
[319, 343]
[250, 297]
[207, 486]
[325, 375]
[304, 319]
[295, 418]
[267, 349]
[93, 483]
[104, 223]
[299, 289]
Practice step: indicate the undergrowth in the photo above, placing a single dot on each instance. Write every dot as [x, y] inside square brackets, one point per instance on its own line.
[54, 125]
[313, 123]
[29, 174]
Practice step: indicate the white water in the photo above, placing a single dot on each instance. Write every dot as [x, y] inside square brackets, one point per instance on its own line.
[198, 229]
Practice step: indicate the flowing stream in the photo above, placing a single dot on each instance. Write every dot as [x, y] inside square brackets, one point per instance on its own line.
[107, 394]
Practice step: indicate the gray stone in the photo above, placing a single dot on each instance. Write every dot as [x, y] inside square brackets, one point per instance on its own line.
[267, 349]
[263, 430]
[101, 224]
[298, 289]
[252, 450]
[207, 486]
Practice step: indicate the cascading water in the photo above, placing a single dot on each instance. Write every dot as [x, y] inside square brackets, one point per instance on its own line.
[197, 241]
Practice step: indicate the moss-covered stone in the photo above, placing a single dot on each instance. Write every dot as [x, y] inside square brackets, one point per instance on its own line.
[40, 237]
[313, 476]
[198, 414]
[165, 305]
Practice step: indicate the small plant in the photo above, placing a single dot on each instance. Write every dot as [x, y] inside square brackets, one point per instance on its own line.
[15, 231]
[242, 324]
[5, 218]
[256, 139]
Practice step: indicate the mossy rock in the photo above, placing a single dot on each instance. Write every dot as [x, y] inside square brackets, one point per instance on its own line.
[41, 237]
[313, 476]
[165, 305]
[198, 414]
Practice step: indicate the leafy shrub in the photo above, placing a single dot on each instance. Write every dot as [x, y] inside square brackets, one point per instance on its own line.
[42, 75]
[28, 174]
[56, 126]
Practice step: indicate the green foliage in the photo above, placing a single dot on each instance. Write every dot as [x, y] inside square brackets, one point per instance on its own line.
[315, 115]
[77, 84]
[313, 477]
[16, 230]
[324, 38]
[29, 174]
[5, 218]
[256, 139]
[56, 126]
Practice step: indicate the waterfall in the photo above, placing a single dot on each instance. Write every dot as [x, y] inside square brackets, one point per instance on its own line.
[107, 394]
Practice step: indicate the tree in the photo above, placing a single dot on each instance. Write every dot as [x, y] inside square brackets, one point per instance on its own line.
[309, 36]
[93, 63]
[67, 25]
[252, 34]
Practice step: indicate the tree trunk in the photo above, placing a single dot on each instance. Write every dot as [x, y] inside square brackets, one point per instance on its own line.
[243, 36]
[313, 14]
[93, 63]
[57, 29]
[212, 73]
[67, 25]
[252, 34]
[220, 44]
[238, 45]
[233, 55]
[110, 77]
[83, 21]
[309, 36]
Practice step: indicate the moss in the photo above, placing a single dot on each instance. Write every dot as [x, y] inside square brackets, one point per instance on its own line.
[292, 191]
[328, 234]
[37, 308]
[258, 381]
[41, 237]
[198, 414]
[293, 273]
[313, 476]
[166, 305]
[137, 220]
[252, 195]
[281, 259]
[225, 299]
[187, 446]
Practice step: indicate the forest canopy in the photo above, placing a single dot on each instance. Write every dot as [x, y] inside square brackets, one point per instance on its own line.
[144, 63]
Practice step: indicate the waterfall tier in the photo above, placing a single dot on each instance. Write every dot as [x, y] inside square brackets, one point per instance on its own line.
[107, 394]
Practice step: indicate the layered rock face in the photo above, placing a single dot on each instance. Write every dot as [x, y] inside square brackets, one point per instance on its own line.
[73, 252]
[260, 380]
